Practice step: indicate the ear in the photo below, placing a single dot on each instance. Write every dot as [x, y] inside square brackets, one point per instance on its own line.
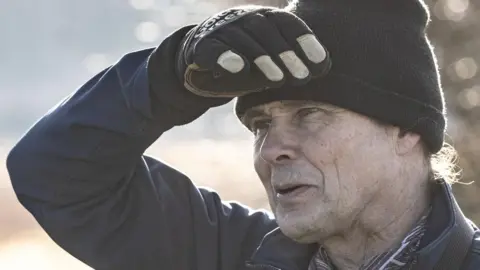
[405, 141]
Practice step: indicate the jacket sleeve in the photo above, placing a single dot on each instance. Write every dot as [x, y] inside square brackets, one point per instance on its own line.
[81, 172]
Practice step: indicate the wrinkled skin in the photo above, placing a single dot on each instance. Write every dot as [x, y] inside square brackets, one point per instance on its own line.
[362, 184]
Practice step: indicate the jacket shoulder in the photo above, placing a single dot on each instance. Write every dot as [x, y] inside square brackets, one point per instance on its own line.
[161, 169]
[227, 231]
[170, 182]
[472, 262]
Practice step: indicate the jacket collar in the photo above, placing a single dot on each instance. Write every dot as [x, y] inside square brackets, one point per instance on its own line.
[440, 226]
[278, 252]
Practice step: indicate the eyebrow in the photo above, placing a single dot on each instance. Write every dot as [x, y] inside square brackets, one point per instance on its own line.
[257, 112]
[252, 113]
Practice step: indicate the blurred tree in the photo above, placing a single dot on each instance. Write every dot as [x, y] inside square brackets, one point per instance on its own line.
[454, 32]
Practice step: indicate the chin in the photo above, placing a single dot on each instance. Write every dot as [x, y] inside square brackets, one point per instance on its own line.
[300, 237]
[300, 231]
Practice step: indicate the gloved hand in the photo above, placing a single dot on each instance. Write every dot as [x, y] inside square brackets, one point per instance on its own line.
[248, 49]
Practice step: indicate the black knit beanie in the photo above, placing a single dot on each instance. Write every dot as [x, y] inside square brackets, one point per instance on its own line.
[382, 64]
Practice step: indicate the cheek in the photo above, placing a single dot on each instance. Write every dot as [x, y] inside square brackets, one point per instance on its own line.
[352, 162]
[262, 169]
[264, 173]
[321, 154]
[334, 154]
[318, 151]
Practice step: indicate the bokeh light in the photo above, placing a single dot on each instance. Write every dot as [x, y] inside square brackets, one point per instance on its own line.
[147, 32]
[469, 98]
[457, 6]
[466, 68]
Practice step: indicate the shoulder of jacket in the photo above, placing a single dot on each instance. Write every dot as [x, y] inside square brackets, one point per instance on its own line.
[155, 165]
[162, 171]
[476, 243]
[472, 262]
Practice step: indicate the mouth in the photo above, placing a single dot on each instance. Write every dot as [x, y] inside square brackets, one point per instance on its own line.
[291, 189]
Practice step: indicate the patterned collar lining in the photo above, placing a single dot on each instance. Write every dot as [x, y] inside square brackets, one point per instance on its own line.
[394, 259]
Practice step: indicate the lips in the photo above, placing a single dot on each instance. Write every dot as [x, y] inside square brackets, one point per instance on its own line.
[294, 195]
[288, 188]
[295, 184]
[291, 190]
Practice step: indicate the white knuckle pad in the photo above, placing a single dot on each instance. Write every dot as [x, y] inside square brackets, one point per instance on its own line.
[269, 68]
[231, 61]
[312, 48]
[294, 64]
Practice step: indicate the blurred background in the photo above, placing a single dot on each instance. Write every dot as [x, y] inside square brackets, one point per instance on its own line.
[48, 48]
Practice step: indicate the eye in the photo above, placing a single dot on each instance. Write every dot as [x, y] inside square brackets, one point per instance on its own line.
[307, 111]
[259, 125]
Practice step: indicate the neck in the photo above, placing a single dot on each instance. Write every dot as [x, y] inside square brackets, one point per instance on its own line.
[380, 227]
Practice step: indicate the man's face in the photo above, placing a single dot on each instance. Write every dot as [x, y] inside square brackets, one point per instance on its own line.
[321, 165]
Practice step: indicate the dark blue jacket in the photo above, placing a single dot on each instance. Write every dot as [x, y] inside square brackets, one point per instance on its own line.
[81, 172]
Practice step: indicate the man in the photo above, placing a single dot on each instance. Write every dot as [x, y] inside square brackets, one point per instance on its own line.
[346, 112]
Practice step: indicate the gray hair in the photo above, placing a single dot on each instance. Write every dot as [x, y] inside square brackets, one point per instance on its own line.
[443, 164]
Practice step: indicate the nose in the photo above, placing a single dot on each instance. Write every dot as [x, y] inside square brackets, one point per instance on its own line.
[279, 147]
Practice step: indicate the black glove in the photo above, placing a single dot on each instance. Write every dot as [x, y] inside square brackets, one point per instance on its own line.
[248, 49]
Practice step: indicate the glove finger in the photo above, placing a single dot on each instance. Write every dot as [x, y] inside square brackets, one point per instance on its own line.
[212, 54]
[297, 33]
[212, 60]
[269, 37]
[218, 70]
[254, 52]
